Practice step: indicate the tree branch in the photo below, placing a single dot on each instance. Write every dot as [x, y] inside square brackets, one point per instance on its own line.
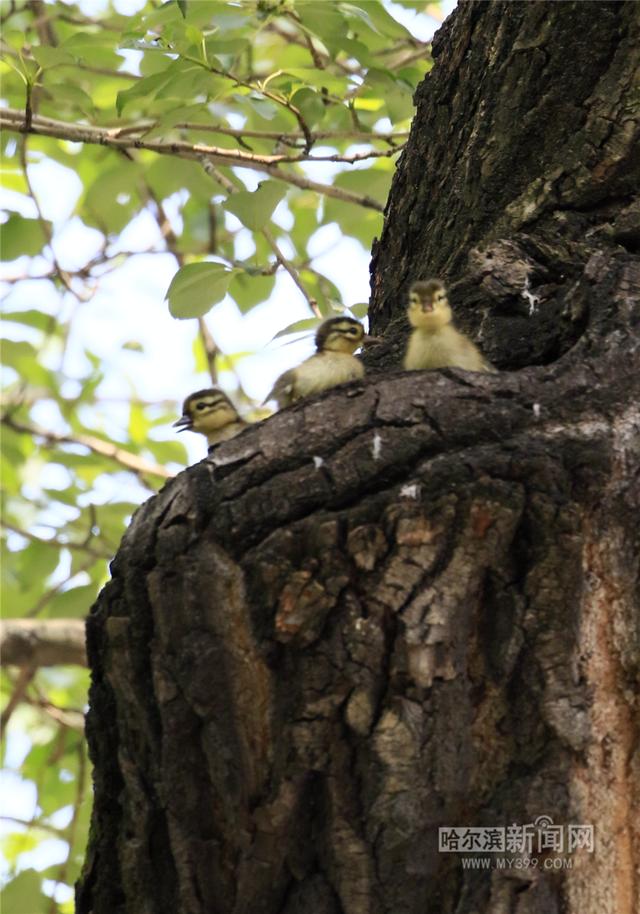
[14, 120]
[32, 643]
[126, 459]
[290, 139]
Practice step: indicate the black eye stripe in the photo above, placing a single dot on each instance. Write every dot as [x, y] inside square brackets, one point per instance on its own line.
[209, 404]
[345, 331]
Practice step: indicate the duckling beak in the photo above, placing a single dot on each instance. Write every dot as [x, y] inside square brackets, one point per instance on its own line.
[427, 305]
[183, 424]
[368, 340]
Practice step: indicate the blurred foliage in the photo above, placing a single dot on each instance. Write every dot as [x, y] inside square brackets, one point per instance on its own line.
[270, 85]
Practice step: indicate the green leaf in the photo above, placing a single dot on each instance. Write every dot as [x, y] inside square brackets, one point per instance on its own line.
[24, 358]
[201, 363]
[73, 603]
[145, 88]
[196, 236]
[255, 209]
[138, 424]
[168, 451]
[94, 48]
[248, 291]
[36, 562]
[40, 320]
[23, 895]
[264, 107]
[21, 236]
[376, 17]
[196, 288]
[18, 843]
[49, 57]
[360, 309]
[12, 178]
[304, 326]
[323, 19]
[233, 46]
[182, 6]
[363, 224]
[166, 175]
[63, 92]
[310, 105]
[113, 198]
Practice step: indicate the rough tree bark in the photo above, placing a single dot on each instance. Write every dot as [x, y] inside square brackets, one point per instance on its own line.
[411, 602]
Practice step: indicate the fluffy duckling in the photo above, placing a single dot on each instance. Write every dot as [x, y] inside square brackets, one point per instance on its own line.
[333, 363]
[211, 413]
[435, 342]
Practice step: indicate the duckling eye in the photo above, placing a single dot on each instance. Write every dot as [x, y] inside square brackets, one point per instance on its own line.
[201, 406]
[352, 331]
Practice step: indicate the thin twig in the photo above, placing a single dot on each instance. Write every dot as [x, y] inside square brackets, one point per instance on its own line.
[44, 225]
[126, 459]
[72, 828]
[52, 591]
[291, 38]
[56, 543]
[272, 96]
[210, 349]
[26, 674]
[291, 270]
[34, 823]
[67, 717]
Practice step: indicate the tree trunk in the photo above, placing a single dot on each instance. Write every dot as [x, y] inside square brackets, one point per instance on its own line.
[411, 603]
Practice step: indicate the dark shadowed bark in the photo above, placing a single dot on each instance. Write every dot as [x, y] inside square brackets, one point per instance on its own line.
[412, 602]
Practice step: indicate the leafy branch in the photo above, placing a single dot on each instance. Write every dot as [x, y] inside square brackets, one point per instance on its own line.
[229, 187]
[14, 120]
[286, 138]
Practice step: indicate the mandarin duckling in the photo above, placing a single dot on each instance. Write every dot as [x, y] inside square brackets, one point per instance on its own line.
[212, 414]
[435, 341]
[333, 363]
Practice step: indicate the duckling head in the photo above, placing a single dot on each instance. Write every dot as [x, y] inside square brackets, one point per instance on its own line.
[429, 306]
[342, 334]
[206, 411]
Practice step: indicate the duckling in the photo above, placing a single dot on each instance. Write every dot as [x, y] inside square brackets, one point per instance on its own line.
[333, 363]
[435, 342]
[211, 413]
